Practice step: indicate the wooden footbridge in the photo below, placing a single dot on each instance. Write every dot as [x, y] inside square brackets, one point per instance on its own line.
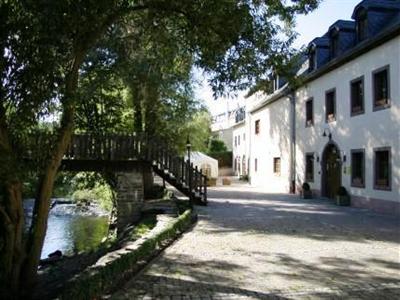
[132, 158]
[123, 152]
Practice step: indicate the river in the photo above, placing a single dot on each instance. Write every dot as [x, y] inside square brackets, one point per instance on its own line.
[71, 229]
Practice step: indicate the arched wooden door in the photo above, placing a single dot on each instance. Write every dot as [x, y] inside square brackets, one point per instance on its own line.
[331, 171]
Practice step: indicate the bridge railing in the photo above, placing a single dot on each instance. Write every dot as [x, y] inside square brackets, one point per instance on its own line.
[126, 147]
[105, 147]
[183, 172]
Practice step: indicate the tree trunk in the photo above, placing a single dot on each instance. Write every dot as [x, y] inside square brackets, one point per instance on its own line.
[137, 107]
[12, 220]
[11, 217]
[151, 109]
[38, 227]
[20, 259]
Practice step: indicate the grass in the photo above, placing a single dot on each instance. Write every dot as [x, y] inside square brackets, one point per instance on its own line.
[147, 224]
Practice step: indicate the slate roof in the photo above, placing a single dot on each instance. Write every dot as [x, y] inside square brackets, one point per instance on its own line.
[343, 25]
[322, 41]
[382, 15]
[384, 4]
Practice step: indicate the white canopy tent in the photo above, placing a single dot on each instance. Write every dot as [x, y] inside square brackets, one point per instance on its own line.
[208, 164]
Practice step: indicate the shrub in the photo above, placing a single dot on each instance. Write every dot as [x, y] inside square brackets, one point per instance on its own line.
[100, 193]
[216, 145]
[306, 187]
[84, 196]
[224, 158]
[342, 191]
[244, 177]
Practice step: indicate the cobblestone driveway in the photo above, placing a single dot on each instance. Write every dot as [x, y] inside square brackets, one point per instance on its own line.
[252, 245]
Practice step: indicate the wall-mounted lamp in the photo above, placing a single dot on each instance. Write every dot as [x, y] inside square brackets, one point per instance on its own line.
[327, 133]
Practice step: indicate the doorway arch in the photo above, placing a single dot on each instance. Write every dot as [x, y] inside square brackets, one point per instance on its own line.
[331, 167]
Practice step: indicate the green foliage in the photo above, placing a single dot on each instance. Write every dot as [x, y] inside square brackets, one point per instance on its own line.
[145, 225]
[199, 131]
[224, 158]
[102, 107]
[88, 233]
[88, 192]
[306, 186]
[244, 177]
[342, 191]
[216, 145]
[62, 186]
[65, 61]
[183, 206]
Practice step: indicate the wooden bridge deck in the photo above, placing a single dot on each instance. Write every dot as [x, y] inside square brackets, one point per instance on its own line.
[124, 152]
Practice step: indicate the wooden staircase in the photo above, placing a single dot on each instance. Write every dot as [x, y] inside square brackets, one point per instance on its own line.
[179, 173]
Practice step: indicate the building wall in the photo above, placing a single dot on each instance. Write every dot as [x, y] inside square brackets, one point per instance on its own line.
[225, 135]
[366, 131]
[272, 141]
[239, 149]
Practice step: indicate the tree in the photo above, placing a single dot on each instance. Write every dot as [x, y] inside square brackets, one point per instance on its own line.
[44, 45]
[216, 146]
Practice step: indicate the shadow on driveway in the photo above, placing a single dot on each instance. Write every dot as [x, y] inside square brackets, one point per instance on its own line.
[320, 219]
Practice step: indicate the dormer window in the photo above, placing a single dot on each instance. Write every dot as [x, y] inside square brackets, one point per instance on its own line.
[275, 82]
[334, 44]
[312, 60]
[362, 25]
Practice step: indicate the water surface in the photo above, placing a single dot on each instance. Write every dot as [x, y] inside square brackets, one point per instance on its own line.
[72, 229]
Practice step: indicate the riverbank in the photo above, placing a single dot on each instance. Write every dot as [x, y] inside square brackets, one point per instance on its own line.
[72, 228]
[75, 277]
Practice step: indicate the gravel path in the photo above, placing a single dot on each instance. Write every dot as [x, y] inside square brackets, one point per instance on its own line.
[249, 244]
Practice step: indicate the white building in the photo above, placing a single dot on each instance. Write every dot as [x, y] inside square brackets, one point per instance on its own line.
[342, 126]
[221, 127]
[271, 124]
[239, 158]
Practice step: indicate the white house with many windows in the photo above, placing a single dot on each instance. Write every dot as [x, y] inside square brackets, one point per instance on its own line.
[271, 142]
[341, 127]
[239, 148]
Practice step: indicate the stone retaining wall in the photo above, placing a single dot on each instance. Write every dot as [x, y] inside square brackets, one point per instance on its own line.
[112, 269]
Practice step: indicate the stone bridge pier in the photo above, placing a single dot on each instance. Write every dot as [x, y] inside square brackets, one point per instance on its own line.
[130, 189]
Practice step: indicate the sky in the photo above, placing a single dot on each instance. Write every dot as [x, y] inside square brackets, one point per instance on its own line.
[308, 26]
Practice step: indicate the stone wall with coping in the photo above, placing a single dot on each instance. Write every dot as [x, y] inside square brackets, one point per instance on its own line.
[112, 269]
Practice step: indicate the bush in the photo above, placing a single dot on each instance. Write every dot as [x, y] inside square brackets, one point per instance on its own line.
[100, 193]
[224, 158]
[216, 146]
[244, 177]
[306, 187]
[343, 197]
[84, 197]
[342, 191]
[145, 225]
